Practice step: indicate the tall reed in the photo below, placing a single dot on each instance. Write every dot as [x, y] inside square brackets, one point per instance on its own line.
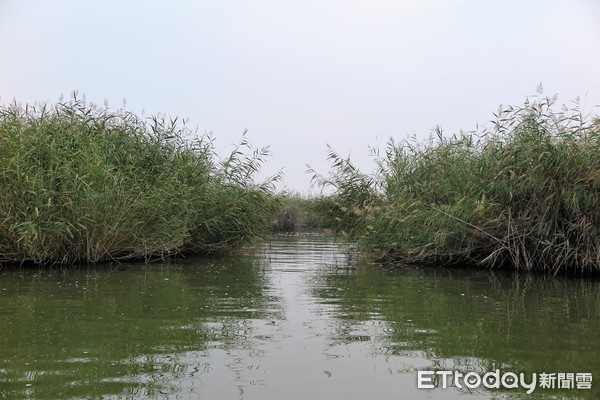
[523, 194]
[355, 196]
[79, 183]
[299, 213]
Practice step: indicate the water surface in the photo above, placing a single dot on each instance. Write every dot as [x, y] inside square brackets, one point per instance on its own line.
[300, 318]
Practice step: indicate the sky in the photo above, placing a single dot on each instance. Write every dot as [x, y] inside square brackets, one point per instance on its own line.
[303, 74]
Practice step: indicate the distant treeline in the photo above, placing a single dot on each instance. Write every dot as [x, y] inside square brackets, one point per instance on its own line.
[79, 183]
[524, 194]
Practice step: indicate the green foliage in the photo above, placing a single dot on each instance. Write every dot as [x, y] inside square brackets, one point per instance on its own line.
[523, 194]
[79, 183]
[347, 210]
[297, 213]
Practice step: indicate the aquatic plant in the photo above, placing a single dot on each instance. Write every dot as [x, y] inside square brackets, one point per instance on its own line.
[80, 183]
[298, 213]
[522, 194]
[353, 198]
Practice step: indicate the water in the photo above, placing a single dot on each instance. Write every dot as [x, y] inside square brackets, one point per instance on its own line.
[298, 319]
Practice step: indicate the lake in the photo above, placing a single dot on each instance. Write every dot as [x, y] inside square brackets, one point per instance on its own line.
[299, 318]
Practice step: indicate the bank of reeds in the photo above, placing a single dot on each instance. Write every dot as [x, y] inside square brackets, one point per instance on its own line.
[79, 183]
[524, 194]
[355, 194]
[297, 213]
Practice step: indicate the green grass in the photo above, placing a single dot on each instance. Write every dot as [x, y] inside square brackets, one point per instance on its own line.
[79, 183]
[523, 194]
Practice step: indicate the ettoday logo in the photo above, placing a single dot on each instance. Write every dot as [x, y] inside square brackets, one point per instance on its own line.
[507, 380]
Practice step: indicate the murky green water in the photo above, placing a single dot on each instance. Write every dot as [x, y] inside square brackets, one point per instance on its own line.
[297, 320]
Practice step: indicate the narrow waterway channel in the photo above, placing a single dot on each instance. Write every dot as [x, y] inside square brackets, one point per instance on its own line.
[298, 319]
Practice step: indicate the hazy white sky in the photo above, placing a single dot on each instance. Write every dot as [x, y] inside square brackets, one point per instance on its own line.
[302, 73]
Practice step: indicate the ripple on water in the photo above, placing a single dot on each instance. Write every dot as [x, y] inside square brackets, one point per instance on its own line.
[298, 319]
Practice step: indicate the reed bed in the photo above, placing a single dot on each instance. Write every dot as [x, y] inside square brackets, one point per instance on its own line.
[524, 194]
[79, 183]
[298, 213]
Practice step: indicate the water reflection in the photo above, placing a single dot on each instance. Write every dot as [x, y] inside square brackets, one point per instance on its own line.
[471, 320]
[97, 331]
[298, 318]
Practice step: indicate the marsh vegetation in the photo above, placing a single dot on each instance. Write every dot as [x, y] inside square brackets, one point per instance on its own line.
[522, 194]
[80, 183]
